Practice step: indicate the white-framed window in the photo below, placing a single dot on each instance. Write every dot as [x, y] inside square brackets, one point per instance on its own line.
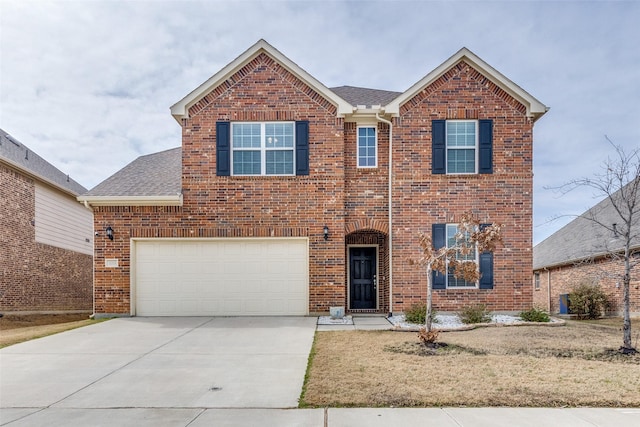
[462, 146]
[262, 148]
[452, 281]
[367, 147]
[536, 277]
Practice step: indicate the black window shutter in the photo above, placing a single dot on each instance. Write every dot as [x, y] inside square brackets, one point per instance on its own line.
[439, 233]
[485, 142]
[223, 149]
[302, 147]
[438, 147]
[486, 267]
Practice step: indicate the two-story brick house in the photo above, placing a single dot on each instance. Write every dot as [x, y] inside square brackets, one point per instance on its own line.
[281, 199]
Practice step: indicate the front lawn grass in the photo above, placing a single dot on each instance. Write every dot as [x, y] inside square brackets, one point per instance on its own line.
[533, 366]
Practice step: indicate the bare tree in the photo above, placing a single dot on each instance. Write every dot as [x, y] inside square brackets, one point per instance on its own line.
[470, 236]
[619, 183]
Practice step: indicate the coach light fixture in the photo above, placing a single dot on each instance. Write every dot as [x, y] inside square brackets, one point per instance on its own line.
[325, 230]
[109, 231]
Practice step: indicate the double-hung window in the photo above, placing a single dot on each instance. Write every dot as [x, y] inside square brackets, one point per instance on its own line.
[265, 148]
[367, 147]
[452, 281]
[462, 143]
[462, 146]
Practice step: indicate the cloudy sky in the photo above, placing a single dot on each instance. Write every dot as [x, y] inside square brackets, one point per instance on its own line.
[88, 84]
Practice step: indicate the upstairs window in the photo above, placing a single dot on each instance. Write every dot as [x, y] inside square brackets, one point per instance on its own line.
[462, 145]
[367, 147]
[262, 148]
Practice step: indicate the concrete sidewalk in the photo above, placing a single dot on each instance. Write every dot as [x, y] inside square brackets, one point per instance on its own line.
[331, 417]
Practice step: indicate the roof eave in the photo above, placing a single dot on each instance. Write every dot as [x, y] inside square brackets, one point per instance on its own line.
[171, 200]
[583, 259]
[180, 110]
[38, 177]
[535, 108]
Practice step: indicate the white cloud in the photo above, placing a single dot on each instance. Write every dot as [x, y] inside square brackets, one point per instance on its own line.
[88, 85]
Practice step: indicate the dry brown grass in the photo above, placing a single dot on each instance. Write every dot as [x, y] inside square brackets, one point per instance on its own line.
[19, 328]
[575, 365]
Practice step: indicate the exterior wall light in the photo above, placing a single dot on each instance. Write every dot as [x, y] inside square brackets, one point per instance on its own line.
[109, 231]
[325, 230]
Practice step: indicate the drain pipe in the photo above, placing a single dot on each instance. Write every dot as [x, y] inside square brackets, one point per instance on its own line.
[390, 251]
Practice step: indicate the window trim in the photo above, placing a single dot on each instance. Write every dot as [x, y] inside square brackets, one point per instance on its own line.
[263, 149]
[536, 281]
[375, 146]
[476, 147]
[476, 285]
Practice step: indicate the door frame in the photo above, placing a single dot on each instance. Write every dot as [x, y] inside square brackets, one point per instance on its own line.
[377, 296]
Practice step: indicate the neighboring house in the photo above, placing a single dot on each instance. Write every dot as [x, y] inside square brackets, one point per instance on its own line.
[583, 251]
[46, 244]
[278, 201]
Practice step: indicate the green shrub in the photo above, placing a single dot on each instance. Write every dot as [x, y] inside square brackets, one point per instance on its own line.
[475, 314]
[535, 315]
[418, 314]
[588, 301]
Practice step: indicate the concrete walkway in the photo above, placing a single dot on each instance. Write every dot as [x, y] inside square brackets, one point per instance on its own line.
[363, 323]
[213, 371]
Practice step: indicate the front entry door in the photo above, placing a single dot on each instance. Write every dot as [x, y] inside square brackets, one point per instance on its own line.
[362, 274]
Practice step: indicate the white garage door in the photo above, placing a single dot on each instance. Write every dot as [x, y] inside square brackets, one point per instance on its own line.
[227, 277]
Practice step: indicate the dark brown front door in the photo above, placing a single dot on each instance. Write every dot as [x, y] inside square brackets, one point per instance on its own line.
[362, 275]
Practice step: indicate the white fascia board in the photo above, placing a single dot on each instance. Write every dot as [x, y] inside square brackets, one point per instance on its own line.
[174, 200]
[535, 108]
[367, 116]
[180, 110]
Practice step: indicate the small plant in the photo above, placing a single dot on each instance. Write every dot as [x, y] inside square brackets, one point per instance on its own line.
[475, 314]
[417, 314]
[535, 315]
[588, 301]
[428, 338]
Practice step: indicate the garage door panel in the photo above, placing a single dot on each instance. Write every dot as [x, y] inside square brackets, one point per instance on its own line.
[221, 277]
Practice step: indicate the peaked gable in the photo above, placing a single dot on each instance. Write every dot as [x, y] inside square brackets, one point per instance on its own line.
[180, 110]
[534, 108]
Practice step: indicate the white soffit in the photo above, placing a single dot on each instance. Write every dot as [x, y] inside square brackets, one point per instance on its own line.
[180, 110]
[535, 108]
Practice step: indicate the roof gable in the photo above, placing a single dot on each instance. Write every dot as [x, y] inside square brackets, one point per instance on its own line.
[535, 109]
[180, 110]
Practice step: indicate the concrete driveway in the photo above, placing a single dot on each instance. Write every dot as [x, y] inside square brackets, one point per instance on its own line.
[183, 365]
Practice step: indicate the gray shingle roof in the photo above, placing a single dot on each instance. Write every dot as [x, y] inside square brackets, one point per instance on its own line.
[363, 96]
[583, 238]
[19, 155]
[158, 174]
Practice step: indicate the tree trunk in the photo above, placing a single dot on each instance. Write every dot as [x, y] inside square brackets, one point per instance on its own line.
[427, 319]
[627, 346]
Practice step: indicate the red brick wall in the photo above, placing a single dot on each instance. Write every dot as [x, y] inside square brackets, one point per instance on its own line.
[245, 206]
[603, 271]
[338, 194]
[35, 276]
[421, 198]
